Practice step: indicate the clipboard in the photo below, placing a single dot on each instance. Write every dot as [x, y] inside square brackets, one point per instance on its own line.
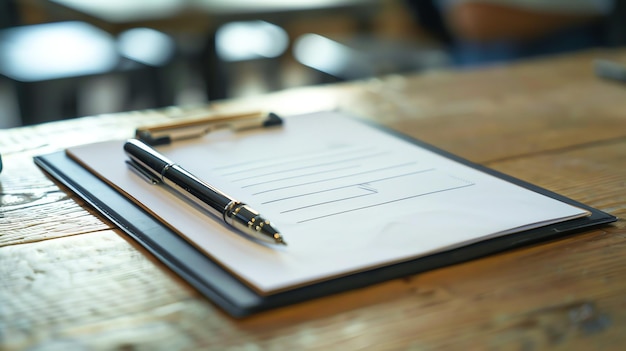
[239, 300]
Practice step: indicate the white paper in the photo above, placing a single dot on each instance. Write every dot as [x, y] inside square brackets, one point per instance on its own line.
[346, 196]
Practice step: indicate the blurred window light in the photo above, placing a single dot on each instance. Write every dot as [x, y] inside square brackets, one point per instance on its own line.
[329, 56]
[55, 50]
[145, 45]
[249, 40]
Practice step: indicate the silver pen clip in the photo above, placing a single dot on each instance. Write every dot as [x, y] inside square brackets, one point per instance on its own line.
[142, 172]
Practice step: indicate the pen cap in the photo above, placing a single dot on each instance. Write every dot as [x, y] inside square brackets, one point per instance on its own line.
[145, 155]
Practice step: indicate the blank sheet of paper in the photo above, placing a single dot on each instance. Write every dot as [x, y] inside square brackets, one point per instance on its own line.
[345, 195]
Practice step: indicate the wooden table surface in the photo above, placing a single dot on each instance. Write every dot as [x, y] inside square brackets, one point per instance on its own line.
[71, 281]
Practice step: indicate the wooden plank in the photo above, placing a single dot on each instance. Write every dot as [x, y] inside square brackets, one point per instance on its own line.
[54, 290]
[594, 175]
[500, 112]
[538, 296]
[101, 291]
[33, 208]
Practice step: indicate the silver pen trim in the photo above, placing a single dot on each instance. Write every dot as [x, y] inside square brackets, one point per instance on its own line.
[143, 173]
[152, 165]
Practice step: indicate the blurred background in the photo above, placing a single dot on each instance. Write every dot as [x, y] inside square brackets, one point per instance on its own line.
[61, 59]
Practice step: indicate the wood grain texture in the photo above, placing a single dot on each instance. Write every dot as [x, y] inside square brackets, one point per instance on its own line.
[594, 174]
[70, 281]
[505, 111]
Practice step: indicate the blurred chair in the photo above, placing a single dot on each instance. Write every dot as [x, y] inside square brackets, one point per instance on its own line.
[45, 61]
[364, 57]
[250, 40]
[479, 33]
[50, 65]
[150, 76]
[616, 25]
[236, 44]
[9, 14]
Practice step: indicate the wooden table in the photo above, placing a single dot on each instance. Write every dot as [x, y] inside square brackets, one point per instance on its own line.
[69, 280]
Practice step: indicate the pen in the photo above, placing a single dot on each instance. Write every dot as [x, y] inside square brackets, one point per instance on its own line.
[191, 128]
[240, 216]
[610, 70]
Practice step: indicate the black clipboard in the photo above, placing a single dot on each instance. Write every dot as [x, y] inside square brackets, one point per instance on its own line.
[235, 297]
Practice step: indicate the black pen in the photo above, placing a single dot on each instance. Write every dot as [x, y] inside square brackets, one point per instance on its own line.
[240, 216]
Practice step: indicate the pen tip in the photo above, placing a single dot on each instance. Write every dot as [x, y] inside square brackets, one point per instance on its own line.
[279, 239]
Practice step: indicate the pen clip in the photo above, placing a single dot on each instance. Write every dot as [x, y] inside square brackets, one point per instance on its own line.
[193, 128]
[142, 172]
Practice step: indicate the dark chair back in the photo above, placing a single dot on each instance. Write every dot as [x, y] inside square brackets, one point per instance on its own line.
[616, 24]
[9, 14]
